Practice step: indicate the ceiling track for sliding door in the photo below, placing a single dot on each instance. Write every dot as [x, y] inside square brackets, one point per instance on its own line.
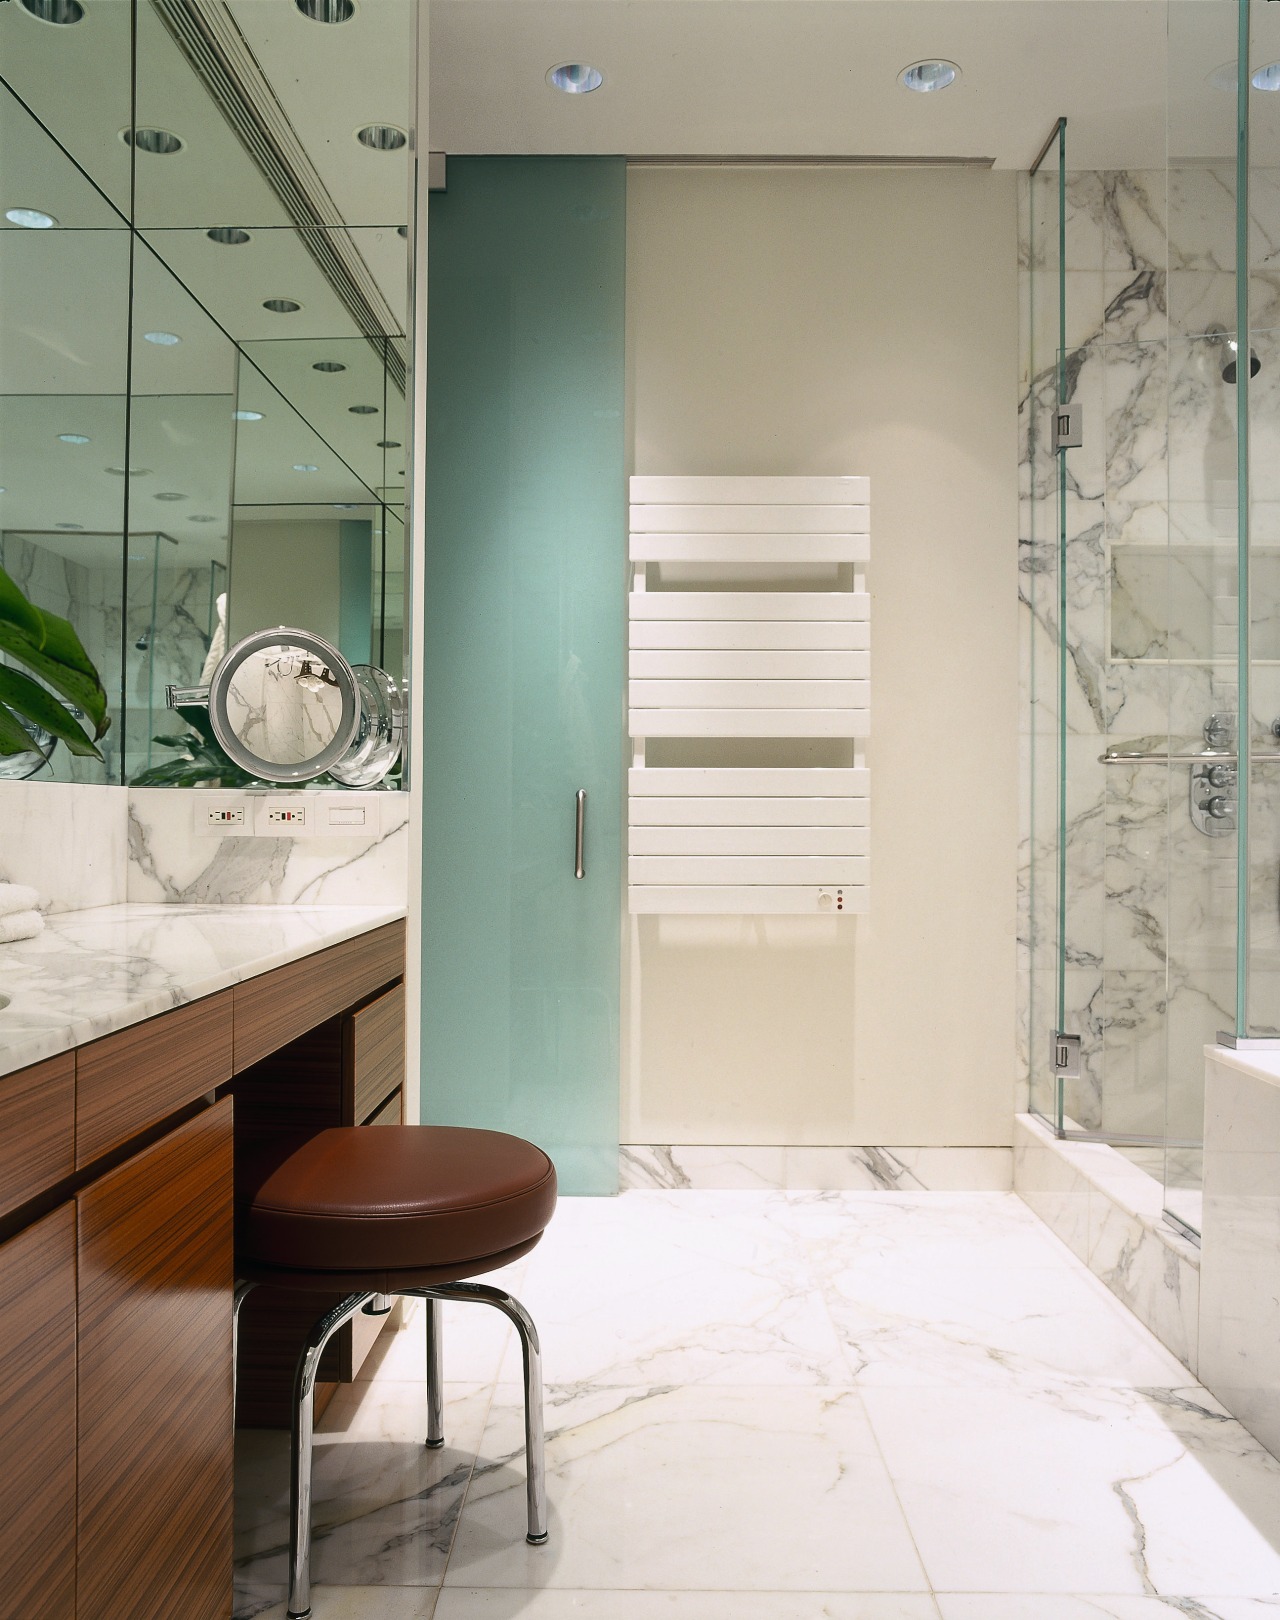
[221, 58]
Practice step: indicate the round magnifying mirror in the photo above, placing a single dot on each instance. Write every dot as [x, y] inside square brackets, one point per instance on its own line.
[284, 705]
[380, 734]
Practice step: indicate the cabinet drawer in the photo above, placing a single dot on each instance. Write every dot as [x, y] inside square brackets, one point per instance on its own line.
[154, 1252]
[374, 1054]
[276, 1007]
[138, 1077]
[37, 1129]
[38, 1419]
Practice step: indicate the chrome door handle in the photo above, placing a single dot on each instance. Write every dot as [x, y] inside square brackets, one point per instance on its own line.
[580, 826]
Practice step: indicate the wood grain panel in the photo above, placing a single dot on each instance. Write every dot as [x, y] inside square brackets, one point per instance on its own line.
[37, 1129]
[38, 1419]
[154, 1242]
[275, 1007]
[374, 1041]
[139, 1076]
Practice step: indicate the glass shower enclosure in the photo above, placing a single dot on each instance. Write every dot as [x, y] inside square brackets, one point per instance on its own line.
[1151, 593]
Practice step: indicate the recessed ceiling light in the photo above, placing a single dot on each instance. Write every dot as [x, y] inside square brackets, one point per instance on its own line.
[1267, 77]
[326, 11]
[928, 76]
[382, 137]
[170, 495]
[131, 472]
[202, 517]
[389, 444]
[246, 416]
[61, 12]
[159, 142]
[78, 527]
[162, 340]
[281, 306]
[31, 219]
[228, 236]
[328, 365]
[575, 78]
[73, 438]
[305, 466]
[363, 410]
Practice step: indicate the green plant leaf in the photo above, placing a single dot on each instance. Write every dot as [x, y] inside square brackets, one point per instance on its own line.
[13, 738]
[50, 648]
[19, 692]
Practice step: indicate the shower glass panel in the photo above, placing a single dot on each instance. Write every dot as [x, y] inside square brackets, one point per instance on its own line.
[1042, 314]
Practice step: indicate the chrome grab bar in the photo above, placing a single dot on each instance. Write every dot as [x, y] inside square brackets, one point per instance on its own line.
[579, 870]
[1121, 756]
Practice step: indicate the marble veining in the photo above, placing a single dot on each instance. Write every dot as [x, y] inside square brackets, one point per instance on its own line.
[834, 1169]
[786, 1406]
[95, 971]
[169, 861]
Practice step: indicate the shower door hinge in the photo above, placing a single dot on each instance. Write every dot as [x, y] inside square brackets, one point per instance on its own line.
[1065, 1059]
[1068, 428]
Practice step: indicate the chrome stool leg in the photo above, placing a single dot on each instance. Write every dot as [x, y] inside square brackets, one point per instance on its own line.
[534, 1450]
[435, 1374]
[304, 1383]
[242, 1291]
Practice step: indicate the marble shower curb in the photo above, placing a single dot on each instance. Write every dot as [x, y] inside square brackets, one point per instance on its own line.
[1109, 1214]
[697, 1167]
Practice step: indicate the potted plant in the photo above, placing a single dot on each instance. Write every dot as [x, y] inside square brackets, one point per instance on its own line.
[50, 648]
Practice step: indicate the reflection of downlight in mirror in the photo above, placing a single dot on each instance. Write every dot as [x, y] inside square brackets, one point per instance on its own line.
[228, 236]
[31, 219]
[162, 340]
[281, 306]
[246, 416]
[61, 12]
[382, 137]
[158, 142]
[575, 78]
[1266, 77]
[926, 77]
[73, 438]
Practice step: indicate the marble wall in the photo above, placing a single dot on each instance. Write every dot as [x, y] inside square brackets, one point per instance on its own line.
[170, 860]
[1151, 604]
[65, 840]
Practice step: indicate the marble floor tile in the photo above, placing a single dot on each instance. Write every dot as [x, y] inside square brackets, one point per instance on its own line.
[385, 1508]
[678, 1288]
[985, 1326]
[1151, 1492]
[363, 1603]
[1043, 1606]
[690, 1490]
[511, 1603]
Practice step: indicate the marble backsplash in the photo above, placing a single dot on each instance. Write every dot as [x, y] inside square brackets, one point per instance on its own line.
[168, 860]
[65, 840]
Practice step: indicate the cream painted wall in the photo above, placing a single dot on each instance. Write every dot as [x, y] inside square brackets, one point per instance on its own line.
[851, 321]
[284, 571]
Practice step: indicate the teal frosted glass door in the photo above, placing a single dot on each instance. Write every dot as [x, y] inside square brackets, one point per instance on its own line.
[523, 677]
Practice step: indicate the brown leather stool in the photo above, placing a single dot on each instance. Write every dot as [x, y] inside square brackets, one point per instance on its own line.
[405, 1209]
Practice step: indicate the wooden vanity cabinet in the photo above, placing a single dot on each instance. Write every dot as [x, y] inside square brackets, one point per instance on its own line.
[155, 1263]
[38, 1419]
[116, 1273]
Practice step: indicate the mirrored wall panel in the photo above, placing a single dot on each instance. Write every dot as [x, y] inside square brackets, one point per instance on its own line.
[203, 282]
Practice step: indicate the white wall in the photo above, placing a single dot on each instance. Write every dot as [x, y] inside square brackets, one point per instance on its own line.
[851, 321]
[284, 571]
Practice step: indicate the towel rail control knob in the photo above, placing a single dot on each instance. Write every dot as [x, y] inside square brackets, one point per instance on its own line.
[580, 827]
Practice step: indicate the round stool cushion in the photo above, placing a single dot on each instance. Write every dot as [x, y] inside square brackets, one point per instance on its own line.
[378, 1204]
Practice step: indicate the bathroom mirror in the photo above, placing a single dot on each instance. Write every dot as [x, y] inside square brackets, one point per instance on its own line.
[203, 358]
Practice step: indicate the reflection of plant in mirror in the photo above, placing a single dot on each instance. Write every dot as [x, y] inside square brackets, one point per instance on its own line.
[50, 648]
[200, 761]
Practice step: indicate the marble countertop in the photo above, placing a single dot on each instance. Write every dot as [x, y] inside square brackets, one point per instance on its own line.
[92, 972]
[1262, 1064]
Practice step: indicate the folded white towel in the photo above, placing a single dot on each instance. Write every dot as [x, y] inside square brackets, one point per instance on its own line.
[20, 925]
[17, 897]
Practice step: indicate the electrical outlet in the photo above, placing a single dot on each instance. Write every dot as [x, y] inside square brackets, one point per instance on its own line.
[220, 815]
[287, 815]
